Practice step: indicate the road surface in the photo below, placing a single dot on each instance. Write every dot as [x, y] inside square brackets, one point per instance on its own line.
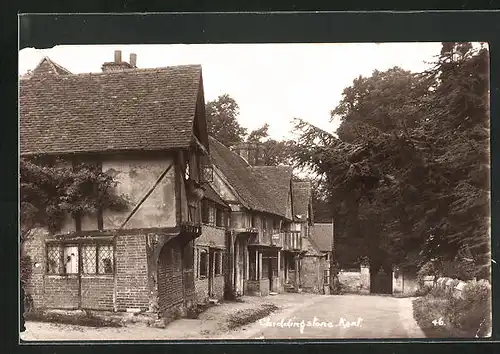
[302, 316]
[338, 317]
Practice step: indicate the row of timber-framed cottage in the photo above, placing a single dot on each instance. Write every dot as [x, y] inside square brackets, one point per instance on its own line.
[204, 222]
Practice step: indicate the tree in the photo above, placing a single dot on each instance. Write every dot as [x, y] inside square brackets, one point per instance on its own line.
[222, 122]
[276, 152]
[411, 161]
[49, 192]
[257, 135]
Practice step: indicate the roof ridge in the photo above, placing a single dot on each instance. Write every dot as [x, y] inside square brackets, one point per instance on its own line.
[235, 154]
[53, 64]
[138, 70]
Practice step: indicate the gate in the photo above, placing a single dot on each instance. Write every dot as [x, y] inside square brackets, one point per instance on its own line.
[381, 282]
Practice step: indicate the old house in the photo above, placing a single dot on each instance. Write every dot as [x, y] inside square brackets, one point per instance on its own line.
[210, 256]
[146, 128]
[322, 238]
[307, 272]
[260, 200]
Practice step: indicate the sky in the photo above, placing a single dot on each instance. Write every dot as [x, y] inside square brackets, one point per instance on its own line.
[272, 83]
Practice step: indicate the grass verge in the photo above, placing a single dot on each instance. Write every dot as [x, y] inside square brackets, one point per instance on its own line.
[433, 315]
[79, 319]
[244, 317]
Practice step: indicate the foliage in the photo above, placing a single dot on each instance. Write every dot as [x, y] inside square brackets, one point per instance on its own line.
[222, 122]
[408, 174]
[469, 316]
[48, 192]
[222, 119]
[466, 316]
[257, 135]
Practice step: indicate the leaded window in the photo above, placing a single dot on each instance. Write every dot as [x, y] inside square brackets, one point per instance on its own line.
[97, 259]
[53, 259]
[70, 259]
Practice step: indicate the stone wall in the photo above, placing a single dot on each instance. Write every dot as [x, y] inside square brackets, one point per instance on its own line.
[404, 283]
[350, 281]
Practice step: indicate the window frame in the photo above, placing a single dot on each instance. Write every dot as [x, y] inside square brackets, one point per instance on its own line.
[219, 217]
[205, 254]
[218, 263]
[98, 247]
[61, 266]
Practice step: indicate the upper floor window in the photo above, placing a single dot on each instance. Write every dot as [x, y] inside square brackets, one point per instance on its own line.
[254, 221]
[187, 172]
[219, 217]
[205, 211]
[276, 224]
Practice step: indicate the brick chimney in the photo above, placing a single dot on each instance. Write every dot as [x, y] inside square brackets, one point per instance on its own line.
[118, 64]
[253, 153]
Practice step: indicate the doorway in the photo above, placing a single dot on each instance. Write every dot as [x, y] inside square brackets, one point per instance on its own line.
[211, 274]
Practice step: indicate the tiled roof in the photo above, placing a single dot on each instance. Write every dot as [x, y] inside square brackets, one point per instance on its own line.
[301, 200]
[137, 109]
[274, 181]
[47, 66]
[212, 195]
[250, 183]
[322, 236]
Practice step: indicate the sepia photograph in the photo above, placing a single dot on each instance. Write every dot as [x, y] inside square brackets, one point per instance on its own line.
[255, 191]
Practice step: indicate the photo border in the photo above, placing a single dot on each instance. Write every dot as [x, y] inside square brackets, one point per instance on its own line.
[47, 30]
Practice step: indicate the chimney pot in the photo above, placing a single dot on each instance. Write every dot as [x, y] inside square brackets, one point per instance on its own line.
[133, 59]
[118, 56]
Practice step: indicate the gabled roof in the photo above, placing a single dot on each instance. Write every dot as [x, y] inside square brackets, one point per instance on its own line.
[47, 66]
[322, 236]
[137, 109]
[251, 184]
[302, 195]
[212, 195]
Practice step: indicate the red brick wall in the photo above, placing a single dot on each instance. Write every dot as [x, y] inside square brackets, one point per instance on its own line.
[61, 291]
[35, 248]
[97, 292]
[131, 272]
[170, 279]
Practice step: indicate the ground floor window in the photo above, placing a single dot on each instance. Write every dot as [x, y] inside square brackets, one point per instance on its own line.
[203, 264]
[218, 262]
[65, 259]
[97, 259]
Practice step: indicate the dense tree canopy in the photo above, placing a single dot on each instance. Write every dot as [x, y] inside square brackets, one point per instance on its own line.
[408, 175]
[222, 122]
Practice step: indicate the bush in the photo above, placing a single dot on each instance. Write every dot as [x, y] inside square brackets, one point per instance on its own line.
[426, 269]
[474, 309]
[424, 290]
[467, 317]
